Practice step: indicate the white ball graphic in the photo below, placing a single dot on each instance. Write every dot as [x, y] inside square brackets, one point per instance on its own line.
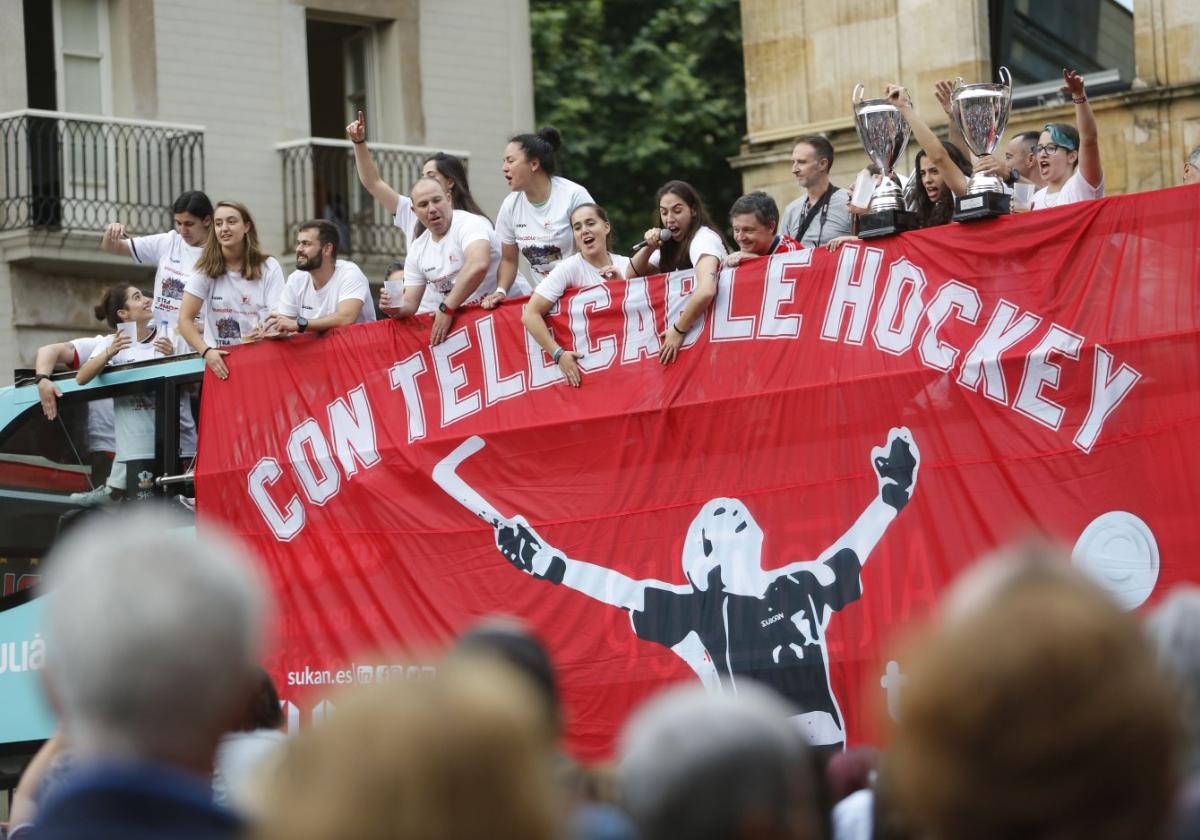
[1117, 550]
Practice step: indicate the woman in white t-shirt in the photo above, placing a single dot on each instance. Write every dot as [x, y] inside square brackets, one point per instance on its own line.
[446, 168]
[133, 414]
[535, 219]
[457, 255]
[1069, 158]
[592, 263]
[693, 243]
[237, 285]
[174, 252]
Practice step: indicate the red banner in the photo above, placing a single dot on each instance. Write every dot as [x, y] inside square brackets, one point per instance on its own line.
[841, 435]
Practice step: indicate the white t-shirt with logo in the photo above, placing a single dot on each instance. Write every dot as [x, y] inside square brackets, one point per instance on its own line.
[176, 262]
[300, 297]
[1076, 189]
[100, 412]
[576, 271]
[437, 264]
[133, 414]
[706, 242]
[542, 233]
[233, 304]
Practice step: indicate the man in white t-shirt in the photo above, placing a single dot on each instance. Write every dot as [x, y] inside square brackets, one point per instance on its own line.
[1069, 158]
[174, 253]
[323, 292]
[458, 255]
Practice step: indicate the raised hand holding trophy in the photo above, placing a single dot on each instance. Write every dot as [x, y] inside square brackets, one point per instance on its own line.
[981, 112]
[884, 132]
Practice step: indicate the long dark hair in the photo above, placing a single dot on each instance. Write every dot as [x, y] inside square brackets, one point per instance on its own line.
[931, 213]
[452, 169]
[675, 255]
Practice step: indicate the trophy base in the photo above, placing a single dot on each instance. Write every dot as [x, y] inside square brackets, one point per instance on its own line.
[984, 205]
[885, 223]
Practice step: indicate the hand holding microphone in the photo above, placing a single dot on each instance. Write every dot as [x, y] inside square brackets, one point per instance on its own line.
[654, 238]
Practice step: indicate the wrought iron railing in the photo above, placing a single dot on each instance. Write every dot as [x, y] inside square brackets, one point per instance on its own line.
[320, 181]
[73, 171]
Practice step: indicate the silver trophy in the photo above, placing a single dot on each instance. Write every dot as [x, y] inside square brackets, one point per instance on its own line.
[883, 131]
[981, 113]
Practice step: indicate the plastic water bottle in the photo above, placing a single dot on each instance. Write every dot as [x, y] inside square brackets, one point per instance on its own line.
[164, 331]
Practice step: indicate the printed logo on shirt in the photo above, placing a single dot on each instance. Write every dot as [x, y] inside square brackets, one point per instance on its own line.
[172, 287]
[229, 331]
[542, 255]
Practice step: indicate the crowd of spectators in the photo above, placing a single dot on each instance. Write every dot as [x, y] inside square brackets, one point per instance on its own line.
[1035, 708]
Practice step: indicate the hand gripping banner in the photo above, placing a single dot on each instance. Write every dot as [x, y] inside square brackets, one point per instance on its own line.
[841, 435]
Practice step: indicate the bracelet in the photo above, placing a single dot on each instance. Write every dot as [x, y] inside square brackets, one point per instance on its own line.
[359, 142]
[557, 355]
[205, 353]
[39, 377]
[502, 292]
[676, 328]
[1080, 100]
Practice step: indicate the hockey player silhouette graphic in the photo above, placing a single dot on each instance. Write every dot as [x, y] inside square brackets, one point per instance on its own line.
[732, 619]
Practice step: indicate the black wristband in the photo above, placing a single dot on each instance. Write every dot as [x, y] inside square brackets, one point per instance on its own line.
[205, 353]
[39, 377]
[359, 142]
[681, 332]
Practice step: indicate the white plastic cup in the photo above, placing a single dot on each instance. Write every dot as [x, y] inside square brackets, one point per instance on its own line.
[864, 188]
[395, 290]
[129, 329]
[1023, 195]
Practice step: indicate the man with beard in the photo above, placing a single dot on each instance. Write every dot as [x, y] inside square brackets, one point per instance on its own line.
[323, 292]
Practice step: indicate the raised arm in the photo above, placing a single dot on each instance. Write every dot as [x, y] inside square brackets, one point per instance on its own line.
[527, 551]
[698, 303]
[943, 90]
[934, 150]
[114, 240]
[896, 464]
[1085, 121]
[368, 172]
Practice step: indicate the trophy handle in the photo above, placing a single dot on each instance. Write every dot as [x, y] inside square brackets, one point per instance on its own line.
[1006, 77]
[857, 96]
[958, 83]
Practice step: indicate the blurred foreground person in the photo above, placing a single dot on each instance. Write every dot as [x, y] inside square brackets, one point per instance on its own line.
[700, 766]
[148, 662]
[246, 752]
[1035, 710]
[461, 757]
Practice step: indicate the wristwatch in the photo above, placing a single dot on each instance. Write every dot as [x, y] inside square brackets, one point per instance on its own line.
[301, 323]
[442, 307]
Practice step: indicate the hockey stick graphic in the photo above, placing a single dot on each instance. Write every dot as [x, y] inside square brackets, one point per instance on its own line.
[446, 476]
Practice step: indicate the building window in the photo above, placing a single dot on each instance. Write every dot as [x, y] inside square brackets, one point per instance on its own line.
[1036, 40]
[82, 48]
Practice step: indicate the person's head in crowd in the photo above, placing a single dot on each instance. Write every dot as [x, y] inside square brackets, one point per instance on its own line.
[450, 171]
[932, 200]
[851, 771]
[233, 238]
[681, 211]
[592, 231]
[1174, 630]
[754, 219]
[459, 757]
[530, 159]
[317, 244]
[262, 709]
[513, 643]
[431, 203]
[1020, 157]
[1057, 153]
[152, 635]
[124, 304]
[699, 766]
[1191, 167]
[1035, 709]
[812, 158]
[193, 217]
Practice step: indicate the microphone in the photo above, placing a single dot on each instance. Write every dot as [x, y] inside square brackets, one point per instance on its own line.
[664, 235]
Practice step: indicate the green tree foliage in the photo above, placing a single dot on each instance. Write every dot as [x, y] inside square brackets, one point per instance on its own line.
[643, 91]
